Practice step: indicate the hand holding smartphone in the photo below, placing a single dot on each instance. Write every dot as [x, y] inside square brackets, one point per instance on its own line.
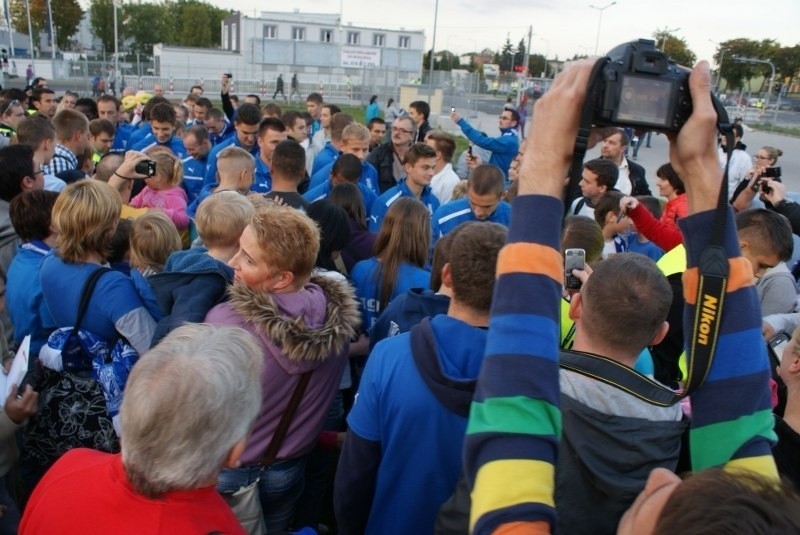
[573, 259]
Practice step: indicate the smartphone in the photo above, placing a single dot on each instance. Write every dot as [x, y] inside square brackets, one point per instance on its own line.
[469, 151]
[573, 259]
[229, 75]
[452, 109]
[772, 172]
[777, 344]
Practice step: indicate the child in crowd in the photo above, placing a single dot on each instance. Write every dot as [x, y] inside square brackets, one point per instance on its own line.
[362, 241]
[401, 254]
[193, 281]
[638, 243]
[235, 170]
[30, 215]
[346, 169]
[765, 238]
[120, 256]
[608, 215]
[355, 141]
[153, 239]
[163, 189]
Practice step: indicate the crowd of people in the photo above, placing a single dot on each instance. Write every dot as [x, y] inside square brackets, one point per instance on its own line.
[238, 319]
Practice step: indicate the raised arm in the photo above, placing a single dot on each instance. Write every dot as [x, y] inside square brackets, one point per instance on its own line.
[731, 413]
[515, 420]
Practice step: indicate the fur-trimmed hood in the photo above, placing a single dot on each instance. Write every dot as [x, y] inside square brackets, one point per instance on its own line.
[307, 334]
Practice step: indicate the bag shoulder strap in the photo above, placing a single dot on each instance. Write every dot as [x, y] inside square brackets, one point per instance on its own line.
[283, 426]
[619, 376]
[86, 295]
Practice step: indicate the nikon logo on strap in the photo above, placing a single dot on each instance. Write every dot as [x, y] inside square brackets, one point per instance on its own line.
[708, 316]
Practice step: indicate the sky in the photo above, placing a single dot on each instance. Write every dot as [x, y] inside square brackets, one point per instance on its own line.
[562, 27]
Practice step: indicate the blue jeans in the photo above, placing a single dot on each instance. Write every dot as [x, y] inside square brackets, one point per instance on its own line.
[279, 485]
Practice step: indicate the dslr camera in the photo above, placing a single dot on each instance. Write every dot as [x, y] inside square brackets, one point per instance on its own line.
[639, 86]
[146, 167]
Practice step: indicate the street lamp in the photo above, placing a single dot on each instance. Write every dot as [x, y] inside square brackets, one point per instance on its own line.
[719, 65]
[599, 22]
[771, 80]
[116, 49]
[546, 55]
[433, 50]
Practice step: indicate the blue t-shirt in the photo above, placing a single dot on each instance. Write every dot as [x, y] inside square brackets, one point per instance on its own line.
[366, 278]
[194, 172]
[648, 249]
[175, 144]
[382, 204]
[143, 131]
[262, 178]
[368, 178]
[421, 440]
[452, 214]
[211, 166]
[114, 306]
[328, 154]
[24, 300]
[324, 190]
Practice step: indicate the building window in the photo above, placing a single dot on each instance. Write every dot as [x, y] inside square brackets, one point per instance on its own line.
[225, 44]
[404, 41]
[270, 32]
[378, 39]
[353, 38]
[234, 36]
[298, 33]
[326, 35]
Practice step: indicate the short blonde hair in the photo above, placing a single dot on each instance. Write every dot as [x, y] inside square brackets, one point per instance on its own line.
[355, 131]
[153, 238]
[233, 160]
[222, 217]
[287, 237]
[167, 164]
[85, 217]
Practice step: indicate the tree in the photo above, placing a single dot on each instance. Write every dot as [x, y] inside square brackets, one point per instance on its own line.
[101, 18]
[675, 47]
[506, 56]
[519, 55]
[145, 24]
[196, 30]
[787, 62]
[537, 64]
[67, 15]
[736, 72]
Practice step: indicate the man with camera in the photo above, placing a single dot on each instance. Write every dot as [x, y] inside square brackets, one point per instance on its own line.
[504, 147]
[512, 443]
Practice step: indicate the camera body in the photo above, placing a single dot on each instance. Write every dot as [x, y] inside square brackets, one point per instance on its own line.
[639, 86]
[146, 167]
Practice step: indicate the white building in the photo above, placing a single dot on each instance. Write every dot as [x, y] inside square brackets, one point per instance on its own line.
[317, 46]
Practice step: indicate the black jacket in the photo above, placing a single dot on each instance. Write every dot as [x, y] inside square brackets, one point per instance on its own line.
[638, 180]
[382, 159]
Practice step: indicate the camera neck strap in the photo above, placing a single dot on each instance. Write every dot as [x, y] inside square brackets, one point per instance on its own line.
[713, 267]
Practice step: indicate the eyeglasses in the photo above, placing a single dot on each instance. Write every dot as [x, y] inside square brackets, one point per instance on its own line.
[11, 104]
[39, 172]
[762, 157]
[504, 118]
[398, 129]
